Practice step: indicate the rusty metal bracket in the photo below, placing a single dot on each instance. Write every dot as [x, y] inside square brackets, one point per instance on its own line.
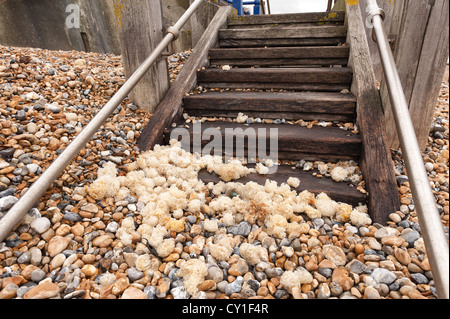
[172, 49]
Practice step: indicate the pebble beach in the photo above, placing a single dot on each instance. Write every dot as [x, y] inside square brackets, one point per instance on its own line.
[99, 232]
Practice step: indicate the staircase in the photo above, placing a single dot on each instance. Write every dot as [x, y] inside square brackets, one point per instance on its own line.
[291, 67]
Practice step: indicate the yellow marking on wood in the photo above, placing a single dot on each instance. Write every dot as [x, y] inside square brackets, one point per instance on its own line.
[352, 2]
[119, 6]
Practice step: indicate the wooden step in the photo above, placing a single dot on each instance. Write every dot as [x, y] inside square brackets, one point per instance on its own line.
[286, 36]
[340, 192]
[322, 56]
[258, 21]
[294, 141]
[303, 79]
[324, 106]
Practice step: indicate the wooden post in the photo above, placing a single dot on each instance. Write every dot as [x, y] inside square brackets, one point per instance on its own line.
[140, 31]
[421, 53]
[376, 164]
[170, 107]
[388, 7]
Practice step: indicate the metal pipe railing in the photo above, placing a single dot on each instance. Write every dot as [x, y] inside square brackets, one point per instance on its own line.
[27, 201]
[429, 219]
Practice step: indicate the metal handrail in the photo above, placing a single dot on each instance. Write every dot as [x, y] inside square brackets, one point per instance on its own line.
[429, 219]
[35, 192]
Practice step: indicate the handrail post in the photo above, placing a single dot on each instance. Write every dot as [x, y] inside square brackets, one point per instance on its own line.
[429, 219]
[27, 201]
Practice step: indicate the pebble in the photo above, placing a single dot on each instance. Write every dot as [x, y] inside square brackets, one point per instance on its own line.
[41, 225]
[235, 286]
[7, 202]
[42, 291]
[383, 276]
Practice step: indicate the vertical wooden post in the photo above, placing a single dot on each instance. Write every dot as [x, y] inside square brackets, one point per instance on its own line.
[388, 7]
[376, 164]
[140, 31]
[421, 52]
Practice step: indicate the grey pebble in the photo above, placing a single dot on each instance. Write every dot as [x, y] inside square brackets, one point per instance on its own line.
[37, 275]
[383, 276]
[235, 286]
[411, 237]
[8, 202]
[134, 274]
[179, 293]
[419, 278]
[242, 229]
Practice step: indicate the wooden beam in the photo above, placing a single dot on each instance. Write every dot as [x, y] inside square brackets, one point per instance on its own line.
[171, 106]
[311, 17]
[421, 54]
[341, 192]
[376, 163]
[317, 142]
[140, 32]
[326, 31]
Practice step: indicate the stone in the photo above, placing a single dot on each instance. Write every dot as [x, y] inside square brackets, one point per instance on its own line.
[41, 225]
[371, 293]
[119, 286]
[179, 293]
[235, 286]
[402, 256]
[239, 268]
[9, 292]
[35, 256]
[419, 278]
[334, 254]
[383, 276]
[242, 229]
[37, 275]
[45, 290]
[215, 273]
[341, 276]
[324, 291]
[134, 274]
[102, 241]
[385, 231]
[7, 202]
[411, 237]
[134, 293]
[57, 244]
[356, 266]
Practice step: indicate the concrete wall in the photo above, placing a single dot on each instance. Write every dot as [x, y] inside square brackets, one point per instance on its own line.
[42, 24]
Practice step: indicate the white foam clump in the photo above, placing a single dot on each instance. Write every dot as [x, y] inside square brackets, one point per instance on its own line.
[293, 182]
[193, 273]
[291, 279]
[339, 174]
[165, 180]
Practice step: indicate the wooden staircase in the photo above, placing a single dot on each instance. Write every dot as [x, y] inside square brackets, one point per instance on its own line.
[291, 67]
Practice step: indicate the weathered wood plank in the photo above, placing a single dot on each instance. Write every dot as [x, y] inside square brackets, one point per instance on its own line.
[252, 43]
[317, 141]
[282, 62]
[290, 116]
[170, 106]
[138, 21]
[376, 164]
[318, 87]
[319, 52]
[281, 25]
[307, 102]
[340, 192]
[287, 33]
[310, 17]
[280, 75]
